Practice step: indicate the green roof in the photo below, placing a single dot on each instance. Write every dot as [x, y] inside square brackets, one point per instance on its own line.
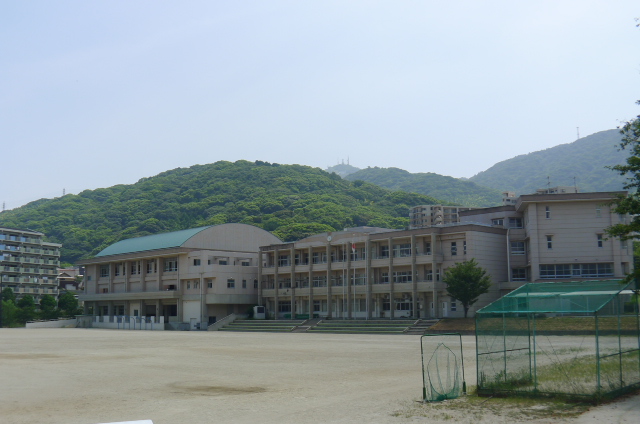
[568, 297]
[153, 242]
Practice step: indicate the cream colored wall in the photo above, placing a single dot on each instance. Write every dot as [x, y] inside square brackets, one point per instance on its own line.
[574, 227]
[232, 237]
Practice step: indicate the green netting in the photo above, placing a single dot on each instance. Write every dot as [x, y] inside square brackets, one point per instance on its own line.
[578, 338]
[442, 367]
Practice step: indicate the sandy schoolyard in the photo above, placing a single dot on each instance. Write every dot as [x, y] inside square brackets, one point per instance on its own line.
[89, 376]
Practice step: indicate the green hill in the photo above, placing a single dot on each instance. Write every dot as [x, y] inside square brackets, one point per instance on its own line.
[449, 189]
[585, 159]
[292, 201]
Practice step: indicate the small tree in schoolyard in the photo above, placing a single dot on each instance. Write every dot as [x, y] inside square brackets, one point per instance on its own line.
[466, 281]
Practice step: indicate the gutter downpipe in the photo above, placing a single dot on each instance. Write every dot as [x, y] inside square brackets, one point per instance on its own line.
[508, 258]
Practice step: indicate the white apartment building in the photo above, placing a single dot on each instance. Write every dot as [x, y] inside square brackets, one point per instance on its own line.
[429, 215]
[28, 264]
[194, 276]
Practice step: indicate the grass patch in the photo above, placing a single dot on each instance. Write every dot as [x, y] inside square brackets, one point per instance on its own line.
[474, 409]
[455, 324]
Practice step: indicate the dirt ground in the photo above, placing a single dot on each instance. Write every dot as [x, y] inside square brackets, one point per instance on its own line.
[89, 376]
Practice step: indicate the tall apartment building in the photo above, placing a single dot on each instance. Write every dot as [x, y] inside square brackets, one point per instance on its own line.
[193, 276]
[28, 264]
[372, 272]
[428, 215]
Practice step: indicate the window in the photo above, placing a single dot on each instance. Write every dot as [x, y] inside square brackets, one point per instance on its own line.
[427, 248]
[196, 262]
[498, 221]
[188, 284]
[600, 240]
[576, 270]
[454, 248]
[105, 290]
[402, 277]
[284, 306]
[384, 278]
[320, 281]
[210, 284]
[222, 262]
[429, 275]
[517, 248]
[151, 267]
[402, 250]
[171, 264]
[547, 212]
[135, 268]
[515, 222]
[231, 283]
[255, 284]
[549, 242]
[598, 211]
[384, 252]
[104, 270]
[454, 305]
[283, 260]
[519, 274]
[244, 284]
[245, 263]
[624, 245]
[464, 247]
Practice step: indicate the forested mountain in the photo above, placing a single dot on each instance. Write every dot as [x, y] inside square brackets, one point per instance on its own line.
[585, 159]
[292, 201]
[343, 169]
[450, 189]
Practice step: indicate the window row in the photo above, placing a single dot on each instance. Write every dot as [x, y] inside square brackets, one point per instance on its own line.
[576, 270]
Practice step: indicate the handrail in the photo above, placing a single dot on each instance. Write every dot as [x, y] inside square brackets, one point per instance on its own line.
[222, 322]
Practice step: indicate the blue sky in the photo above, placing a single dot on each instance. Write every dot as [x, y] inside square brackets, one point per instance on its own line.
[107, 92]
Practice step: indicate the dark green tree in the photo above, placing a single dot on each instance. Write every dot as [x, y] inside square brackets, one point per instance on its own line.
[629, 204]
[9, 314]
[68, 304]
[26, 309]
[466, 281]
[48, 308]
[8, 294]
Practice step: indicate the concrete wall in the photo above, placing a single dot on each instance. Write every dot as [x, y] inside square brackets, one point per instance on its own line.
[61, 323]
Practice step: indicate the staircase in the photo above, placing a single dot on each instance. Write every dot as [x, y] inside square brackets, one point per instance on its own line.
[421, 326]
[361, 326]
[272, 326]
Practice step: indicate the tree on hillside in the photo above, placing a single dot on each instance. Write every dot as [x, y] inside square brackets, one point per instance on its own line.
[466, 281]
[631, 170]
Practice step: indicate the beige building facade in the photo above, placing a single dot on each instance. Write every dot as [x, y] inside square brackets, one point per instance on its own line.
[560, 236]
[194, 276]
[28, 264]
[380, 273]
[370, 273]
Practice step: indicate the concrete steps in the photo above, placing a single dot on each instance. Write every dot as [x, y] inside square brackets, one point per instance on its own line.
[279, 326]
[421, 326]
